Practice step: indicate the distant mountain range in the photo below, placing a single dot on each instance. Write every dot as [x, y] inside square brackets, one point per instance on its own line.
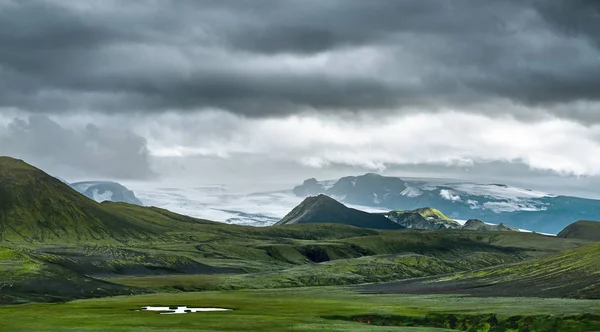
[493, 203]
[101, 191]
[324, 209]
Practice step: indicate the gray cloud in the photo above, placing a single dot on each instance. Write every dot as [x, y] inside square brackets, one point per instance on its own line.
[90, 151]
[267, 58]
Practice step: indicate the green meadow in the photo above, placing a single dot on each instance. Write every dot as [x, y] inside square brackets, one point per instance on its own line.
[299, 309]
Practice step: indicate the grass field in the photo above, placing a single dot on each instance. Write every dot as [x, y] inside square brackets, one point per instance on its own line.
[300, 309]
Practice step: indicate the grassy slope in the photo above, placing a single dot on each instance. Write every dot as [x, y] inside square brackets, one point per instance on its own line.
[24, 278]
[336, 272]
[390, 255]
[36, 207]
[290, 261]
[574, 273]
[307, 309]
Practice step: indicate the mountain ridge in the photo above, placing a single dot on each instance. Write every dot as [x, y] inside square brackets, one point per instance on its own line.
[325, 209]
[495, 203]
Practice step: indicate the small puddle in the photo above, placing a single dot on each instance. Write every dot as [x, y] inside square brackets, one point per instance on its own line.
[180, 310]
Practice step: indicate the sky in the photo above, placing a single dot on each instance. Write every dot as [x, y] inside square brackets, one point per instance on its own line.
[275, 91]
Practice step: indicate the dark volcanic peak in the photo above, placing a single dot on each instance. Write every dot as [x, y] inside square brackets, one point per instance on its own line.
[324, 209]
[583, 229]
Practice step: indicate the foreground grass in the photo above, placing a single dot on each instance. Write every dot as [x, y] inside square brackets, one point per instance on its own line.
[301, 309]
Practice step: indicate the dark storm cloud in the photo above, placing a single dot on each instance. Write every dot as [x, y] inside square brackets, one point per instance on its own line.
[152, 56]
[88, 151]
[573, 17]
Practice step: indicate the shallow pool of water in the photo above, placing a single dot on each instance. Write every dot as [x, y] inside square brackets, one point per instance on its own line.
[180, 310]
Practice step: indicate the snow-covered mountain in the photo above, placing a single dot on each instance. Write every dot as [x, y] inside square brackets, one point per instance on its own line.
[101, 191]
[494, 203]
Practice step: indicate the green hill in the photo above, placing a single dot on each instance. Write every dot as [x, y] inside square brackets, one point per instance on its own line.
[574, 273]
[38, 208]
[25, 278]
[583, 229]
[324, 209]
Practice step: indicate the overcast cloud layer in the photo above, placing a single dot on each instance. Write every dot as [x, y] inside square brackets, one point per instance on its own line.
[272, 57]
[118, 88]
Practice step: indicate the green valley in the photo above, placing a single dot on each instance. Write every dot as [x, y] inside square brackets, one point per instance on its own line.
[68, 256]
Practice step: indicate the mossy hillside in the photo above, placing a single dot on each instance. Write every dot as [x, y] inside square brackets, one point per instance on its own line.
[255, 254]
[24, 278]
[429, 212]
[425, 241]
[338, 272]
[290, 261]
[14, 264]
[574, 273]
[36, 207]
[251, 254]
[440, 252]
[104, 261]
[282, 262]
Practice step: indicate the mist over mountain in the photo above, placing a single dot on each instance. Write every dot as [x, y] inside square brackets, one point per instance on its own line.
[491, 202]
[101, 191]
